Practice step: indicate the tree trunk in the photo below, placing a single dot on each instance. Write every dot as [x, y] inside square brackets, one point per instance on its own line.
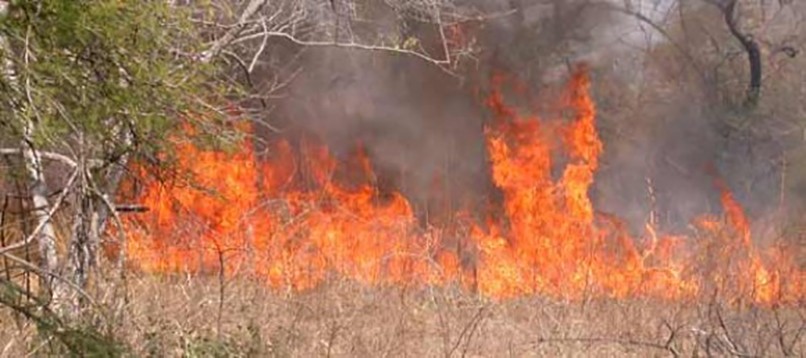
[32, 161]
[46, 238]
[753, 53]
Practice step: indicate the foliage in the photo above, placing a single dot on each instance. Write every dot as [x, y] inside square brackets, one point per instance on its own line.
[99, 71]
[70, 339]
[102, 83]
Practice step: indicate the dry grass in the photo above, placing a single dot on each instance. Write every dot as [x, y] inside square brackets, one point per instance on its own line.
[180, 316]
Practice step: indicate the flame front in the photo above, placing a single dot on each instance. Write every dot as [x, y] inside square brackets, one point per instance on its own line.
[248, 216]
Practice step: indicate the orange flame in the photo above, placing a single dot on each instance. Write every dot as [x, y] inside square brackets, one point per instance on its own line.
[552, 245]
[256, 217]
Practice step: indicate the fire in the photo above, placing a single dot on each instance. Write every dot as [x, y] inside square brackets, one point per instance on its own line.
[302, 217]
[553, 244]
[293, 237]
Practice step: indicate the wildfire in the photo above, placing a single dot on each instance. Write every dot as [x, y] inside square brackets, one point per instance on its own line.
[242, 215]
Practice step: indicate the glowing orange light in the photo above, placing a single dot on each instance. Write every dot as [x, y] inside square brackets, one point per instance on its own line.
[257, 218]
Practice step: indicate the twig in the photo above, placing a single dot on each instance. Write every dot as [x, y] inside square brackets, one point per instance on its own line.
[251, 9]
[734, 349]
[47, 155]
[470, 329]
[670, 340]
[352, 45]
[641, 17]
[46, 273]
[221, 288]
[131, 208]
[260, 50]
[43, 223]
[626, 342]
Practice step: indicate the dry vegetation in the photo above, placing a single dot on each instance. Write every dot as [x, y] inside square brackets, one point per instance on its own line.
[678, 102]
[182, 316]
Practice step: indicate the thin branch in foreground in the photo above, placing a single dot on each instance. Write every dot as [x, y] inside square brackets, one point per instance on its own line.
[600, 340]
[56, 157]
[131, 208]
[47, 219]
[30, 266]
[47, 155]
[251, 9]
[348, 45]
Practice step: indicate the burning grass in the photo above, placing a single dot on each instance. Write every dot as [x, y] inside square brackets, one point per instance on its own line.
[302, 254]
[303, 217]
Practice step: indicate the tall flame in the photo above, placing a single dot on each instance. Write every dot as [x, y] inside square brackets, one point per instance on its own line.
[553, 244]
[242, 215]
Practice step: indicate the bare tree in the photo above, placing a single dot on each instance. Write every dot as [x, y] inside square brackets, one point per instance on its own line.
[731, 16]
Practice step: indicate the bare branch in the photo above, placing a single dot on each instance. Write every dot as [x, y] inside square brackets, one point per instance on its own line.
[46, 155]
[46, 220]
[251, 9]
[260, 50]
[600, 340]
[352, 45]
[30, 266]
[750, 45]
[659, 29]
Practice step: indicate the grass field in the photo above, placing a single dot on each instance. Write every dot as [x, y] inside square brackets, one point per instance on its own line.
[174, 316]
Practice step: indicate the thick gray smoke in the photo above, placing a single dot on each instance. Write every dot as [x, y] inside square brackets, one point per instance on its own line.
[423, 127]
[685, 127]
[420, 127]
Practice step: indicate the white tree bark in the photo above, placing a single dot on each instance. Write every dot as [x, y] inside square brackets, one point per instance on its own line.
[32, 161]
[46, 239]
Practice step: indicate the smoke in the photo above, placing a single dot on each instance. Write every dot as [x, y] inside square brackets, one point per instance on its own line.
[423, 128]
[673, 127]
